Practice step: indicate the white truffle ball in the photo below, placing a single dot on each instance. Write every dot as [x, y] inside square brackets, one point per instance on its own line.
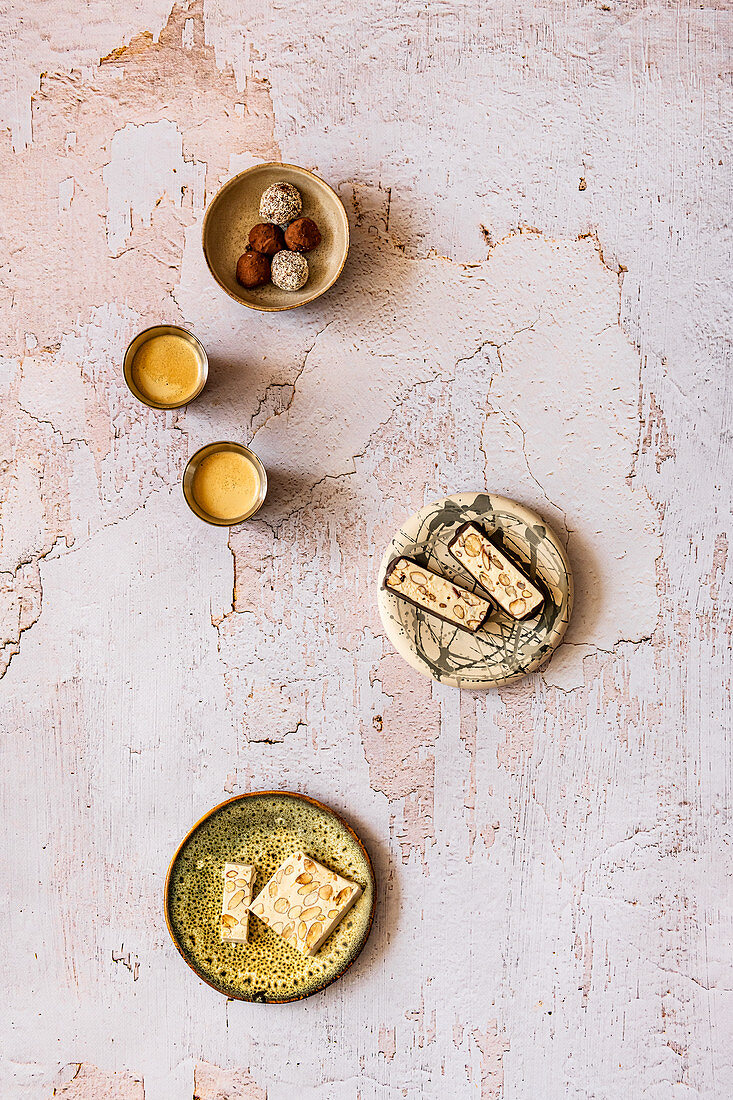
[289, 270]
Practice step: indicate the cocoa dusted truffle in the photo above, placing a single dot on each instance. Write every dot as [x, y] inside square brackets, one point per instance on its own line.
[289, 270]
[280, 204]
[302, 235]
[253, 269]
[266, 238]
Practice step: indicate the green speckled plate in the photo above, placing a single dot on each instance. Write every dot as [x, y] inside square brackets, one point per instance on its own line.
[503, 650]
[263, 828]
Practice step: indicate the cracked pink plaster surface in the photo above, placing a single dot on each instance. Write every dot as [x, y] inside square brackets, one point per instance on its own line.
[77, 125]
[493, 1046]
[156, 666]
[477, 353]
[70, 434]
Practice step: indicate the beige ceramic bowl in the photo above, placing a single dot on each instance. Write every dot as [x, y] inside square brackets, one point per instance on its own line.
[235, 209]
[192, 466]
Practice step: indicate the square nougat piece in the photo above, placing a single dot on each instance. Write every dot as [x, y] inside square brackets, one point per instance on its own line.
[304, 901]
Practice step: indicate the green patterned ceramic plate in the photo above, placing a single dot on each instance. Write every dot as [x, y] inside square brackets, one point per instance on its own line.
[503, 649]
[263, 828]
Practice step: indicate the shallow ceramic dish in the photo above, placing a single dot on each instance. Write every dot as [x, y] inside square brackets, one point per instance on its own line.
[263, 828]
[235, 209]
[190, 472]
[503, 650]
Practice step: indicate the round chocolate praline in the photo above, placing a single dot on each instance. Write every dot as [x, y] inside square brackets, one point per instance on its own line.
[302, 235]
[253, 269]
[266, 238]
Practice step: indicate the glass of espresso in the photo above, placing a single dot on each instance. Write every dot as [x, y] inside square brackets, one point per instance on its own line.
[166, 367]
[224, 483]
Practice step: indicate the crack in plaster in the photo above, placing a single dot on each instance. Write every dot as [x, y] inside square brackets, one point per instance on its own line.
[513, 420]
[399, 403]
[65, 442]
[10, 645]
[128, 960]
[35, 558]
[270, 387]
[497, 408]
[298, 375]
[300, 724]
[79, 544]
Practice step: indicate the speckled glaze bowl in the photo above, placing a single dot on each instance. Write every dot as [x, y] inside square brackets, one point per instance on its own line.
[262, 829]
[235, 209]
[504, 649]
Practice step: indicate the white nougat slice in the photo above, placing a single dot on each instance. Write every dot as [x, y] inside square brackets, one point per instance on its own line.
[431, 592]
[304, 901]
[507, 585]
[236, 897]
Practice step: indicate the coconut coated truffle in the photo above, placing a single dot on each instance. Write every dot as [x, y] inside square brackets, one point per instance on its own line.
[289, 270]
[253, 269]
[280, 204]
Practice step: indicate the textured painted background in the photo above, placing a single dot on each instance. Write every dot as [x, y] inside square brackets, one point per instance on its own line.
[537, 301]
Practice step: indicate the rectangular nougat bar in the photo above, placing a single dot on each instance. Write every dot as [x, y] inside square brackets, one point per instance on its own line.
[304, 901]
[237, 894]
[507, 585]
[417, 585]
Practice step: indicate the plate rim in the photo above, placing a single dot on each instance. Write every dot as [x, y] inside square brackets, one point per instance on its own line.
[230, 183]
[412, 660]
[189, 834]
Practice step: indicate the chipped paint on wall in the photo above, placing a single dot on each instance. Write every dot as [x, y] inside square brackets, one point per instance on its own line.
[146, 166]
[91, 1083]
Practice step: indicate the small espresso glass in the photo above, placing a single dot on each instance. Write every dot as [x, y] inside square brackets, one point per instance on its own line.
[166, 367]
[224, 483]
